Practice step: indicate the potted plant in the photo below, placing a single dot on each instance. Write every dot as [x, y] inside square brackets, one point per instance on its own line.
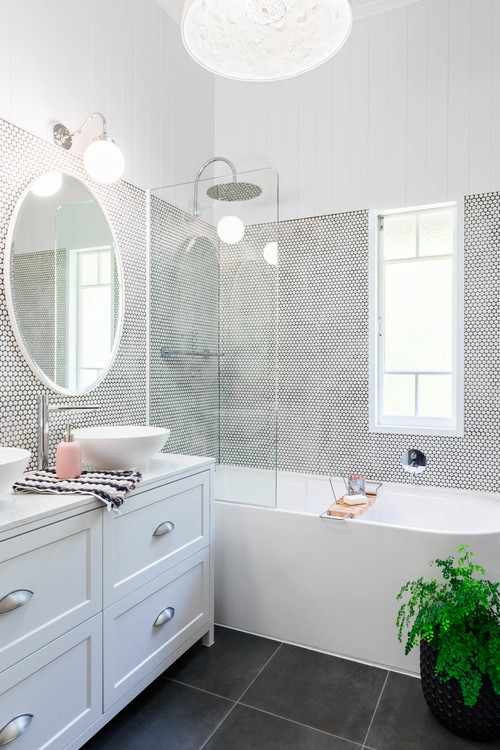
[457, 623]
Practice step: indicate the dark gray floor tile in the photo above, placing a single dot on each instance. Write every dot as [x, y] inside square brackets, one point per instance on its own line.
[403, 721]
[335, 695]
[165, 716]
[248, 729]
[228, 667]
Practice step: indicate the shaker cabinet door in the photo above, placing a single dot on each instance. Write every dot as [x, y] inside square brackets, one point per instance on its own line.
[50, 581]
[50, 698]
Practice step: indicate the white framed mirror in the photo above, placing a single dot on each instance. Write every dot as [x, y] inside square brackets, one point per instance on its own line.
[64, 283]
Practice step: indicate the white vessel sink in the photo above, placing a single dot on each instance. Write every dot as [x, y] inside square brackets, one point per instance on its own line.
[13, 461]
[119, 447]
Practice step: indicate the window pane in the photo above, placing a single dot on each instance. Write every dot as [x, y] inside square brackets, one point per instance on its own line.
[436, 232]
[399, 236]
[95, 327]
[418, 326]
[89, 268]
[399, 395]
[435, 396]
[105, 267]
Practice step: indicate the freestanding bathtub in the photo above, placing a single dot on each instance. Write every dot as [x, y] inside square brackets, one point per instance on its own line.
[331, 585]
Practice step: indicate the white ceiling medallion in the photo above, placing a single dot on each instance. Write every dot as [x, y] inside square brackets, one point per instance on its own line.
[264, 40]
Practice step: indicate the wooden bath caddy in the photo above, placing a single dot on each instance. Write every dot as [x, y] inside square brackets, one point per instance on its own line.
[342, 510]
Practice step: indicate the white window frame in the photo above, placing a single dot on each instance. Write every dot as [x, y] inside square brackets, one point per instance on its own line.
[415, 426]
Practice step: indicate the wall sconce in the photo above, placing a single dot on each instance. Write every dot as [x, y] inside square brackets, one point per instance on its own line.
[102, 159]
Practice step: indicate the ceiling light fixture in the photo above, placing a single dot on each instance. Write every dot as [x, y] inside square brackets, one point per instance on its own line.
[264, 40]
[271, 253]
[47, 184]
[231, 230]
[102, 159]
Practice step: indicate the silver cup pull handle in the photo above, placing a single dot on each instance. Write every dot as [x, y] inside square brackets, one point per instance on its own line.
[165, 616]
[15, 728]
[14, 600]
[164, 528]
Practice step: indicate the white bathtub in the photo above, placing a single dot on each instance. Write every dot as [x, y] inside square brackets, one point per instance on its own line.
[331, 585]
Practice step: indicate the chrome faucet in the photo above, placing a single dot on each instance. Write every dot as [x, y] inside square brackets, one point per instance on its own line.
[414, 461]
[44, 412]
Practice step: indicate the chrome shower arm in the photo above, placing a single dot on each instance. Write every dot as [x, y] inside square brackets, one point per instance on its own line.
[200, 171]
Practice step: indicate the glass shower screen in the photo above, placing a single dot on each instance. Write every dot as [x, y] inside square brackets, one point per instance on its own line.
[214, 313]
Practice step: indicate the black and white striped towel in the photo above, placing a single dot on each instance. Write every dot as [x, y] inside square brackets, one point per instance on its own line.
[109, 486]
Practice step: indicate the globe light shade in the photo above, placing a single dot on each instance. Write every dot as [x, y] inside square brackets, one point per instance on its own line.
[264, 40]
[271, 253]
[231, 229]
[47, 184]
[103, 160]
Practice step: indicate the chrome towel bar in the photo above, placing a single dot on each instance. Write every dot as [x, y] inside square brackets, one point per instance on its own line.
[166, 352]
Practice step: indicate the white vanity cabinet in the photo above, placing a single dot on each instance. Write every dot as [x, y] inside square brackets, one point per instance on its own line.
[97, 605]
[51, 632]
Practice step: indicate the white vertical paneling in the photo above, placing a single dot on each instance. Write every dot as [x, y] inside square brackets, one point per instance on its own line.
[155, 74]
[495, 115]
[290, 186]
[358, 116]
[178, 121]
[308, 162]
[98, 72]
[128, 65]
[416, 108]
[377, 112]
[341, 123]
[437, 103]
[392, 124]
[323, 142]
[397, 95]
[459, 98]
[143, 18]
[480, 96]
[21, 57]
[60, 60]
[231, 103]
[44, 80]
[114, 91]
[63, 61]
[5, 44]
[165, 97]
[82, 83]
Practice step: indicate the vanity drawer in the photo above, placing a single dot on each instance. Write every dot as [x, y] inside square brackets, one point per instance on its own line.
[50, 581]
[158, 529]
[59, 687]
[144, 628]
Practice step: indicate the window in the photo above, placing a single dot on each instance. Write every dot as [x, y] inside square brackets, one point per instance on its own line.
[416, 333]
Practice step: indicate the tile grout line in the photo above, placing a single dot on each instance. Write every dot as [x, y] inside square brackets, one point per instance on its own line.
[259, 673]
[221, 722]
[298, 723]
[375, 711]
[202, 690]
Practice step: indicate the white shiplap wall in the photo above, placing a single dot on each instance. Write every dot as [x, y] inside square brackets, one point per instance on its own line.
[63, 59]
[407, 113]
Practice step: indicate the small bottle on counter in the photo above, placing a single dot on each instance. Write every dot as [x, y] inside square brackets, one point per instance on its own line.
[68, 456]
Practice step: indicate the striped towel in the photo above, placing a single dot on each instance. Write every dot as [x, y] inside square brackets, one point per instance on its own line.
[109, 486]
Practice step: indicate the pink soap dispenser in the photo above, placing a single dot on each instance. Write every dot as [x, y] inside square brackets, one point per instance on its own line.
[68, 457]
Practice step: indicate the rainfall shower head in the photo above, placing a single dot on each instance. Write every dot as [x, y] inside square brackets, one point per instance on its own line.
[234, 191]
[226, 191]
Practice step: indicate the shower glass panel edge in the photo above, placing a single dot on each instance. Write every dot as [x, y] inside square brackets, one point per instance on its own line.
[213, 329]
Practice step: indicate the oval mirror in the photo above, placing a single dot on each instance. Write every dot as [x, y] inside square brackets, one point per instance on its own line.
[64, 284]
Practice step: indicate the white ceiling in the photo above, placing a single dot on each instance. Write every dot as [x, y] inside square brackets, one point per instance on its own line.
[361, 8]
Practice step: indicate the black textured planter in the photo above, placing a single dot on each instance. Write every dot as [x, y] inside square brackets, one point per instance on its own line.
[481, 722]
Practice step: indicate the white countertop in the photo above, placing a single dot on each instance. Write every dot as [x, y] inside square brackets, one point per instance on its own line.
[18, 508]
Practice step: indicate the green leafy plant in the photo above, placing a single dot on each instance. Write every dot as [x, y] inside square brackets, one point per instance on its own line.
[461, 618]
